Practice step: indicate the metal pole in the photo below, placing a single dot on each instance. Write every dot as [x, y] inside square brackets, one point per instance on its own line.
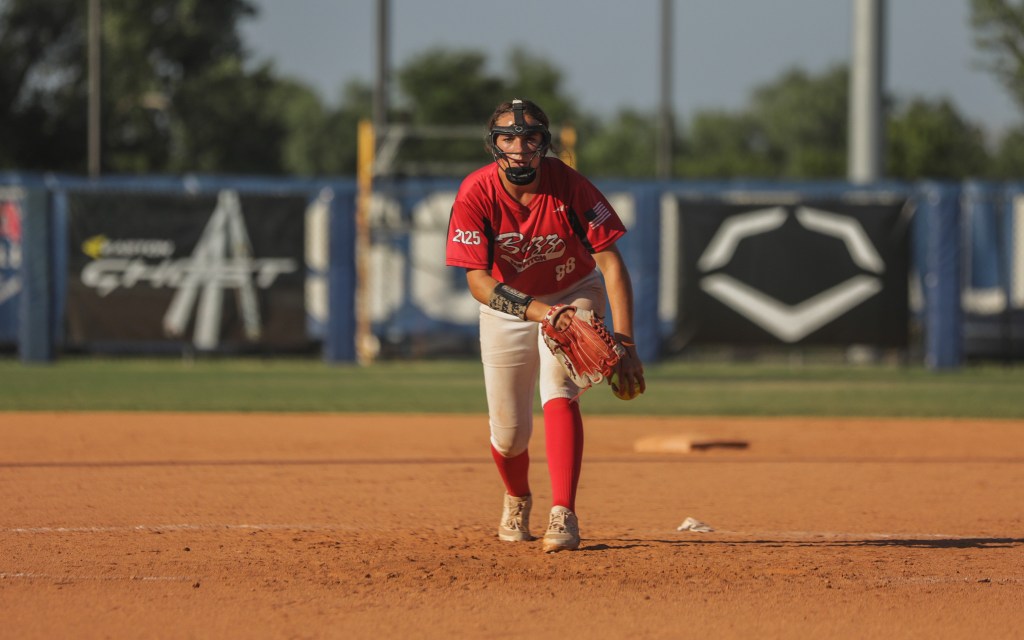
[95, 86]
[380, 94]
[866, 133]
[665, 128]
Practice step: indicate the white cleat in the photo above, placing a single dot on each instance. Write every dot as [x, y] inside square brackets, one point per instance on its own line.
[515, 519]
[563, 531]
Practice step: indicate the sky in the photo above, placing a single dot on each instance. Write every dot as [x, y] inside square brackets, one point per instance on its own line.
[608, 50]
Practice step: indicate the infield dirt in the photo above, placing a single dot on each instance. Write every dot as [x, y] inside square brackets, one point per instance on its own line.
[376, 526]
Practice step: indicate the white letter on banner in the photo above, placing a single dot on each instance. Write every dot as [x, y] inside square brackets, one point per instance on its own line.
[387, 262]
[318, 257]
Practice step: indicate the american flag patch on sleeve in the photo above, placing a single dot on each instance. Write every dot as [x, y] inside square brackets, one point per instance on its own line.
[597, 215]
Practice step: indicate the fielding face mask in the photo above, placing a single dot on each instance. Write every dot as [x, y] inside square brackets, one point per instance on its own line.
[520, 176]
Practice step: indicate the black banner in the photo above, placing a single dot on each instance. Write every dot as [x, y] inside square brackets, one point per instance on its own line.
[215, 272]
[827, 272]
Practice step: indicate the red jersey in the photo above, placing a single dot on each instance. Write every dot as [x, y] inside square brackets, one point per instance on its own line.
[540, 248]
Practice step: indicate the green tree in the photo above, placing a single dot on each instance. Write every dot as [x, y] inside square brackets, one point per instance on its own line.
[156, 55]
[442, 87]
[932, 140]
[227, 120]
[535, 78]
[42, 85]
[804, 122]
[329, 145]
[445, 88]
[1008, 159]
[793, 127]
[726, 145]
[623, 148]
[176, 93]
[999, 35]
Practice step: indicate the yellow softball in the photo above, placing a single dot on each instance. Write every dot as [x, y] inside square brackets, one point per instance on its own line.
[621, 392]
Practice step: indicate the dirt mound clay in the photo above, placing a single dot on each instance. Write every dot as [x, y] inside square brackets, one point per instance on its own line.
[363, 526]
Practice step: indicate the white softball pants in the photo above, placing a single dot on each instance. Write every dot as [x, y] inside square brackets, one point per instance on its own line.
[515, 359]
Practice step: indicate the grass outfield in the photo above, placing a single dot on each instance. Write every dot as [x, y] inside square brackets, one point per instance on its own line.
[674, 388]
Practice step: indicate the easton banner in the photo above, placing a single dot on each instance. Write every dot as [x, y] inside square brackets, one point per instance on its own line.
[209, 272]
[827, 272]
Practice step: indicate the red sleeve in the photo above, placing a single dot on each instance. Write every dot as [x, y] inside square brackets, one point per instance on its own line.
[469, 228]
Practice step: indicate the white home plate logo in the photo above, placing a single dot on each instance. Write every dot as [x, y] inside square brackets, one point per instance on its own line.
[790, 323]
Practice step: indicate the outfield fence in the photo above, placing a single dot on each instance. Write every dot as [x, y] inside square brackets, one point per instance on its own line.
[930, 271]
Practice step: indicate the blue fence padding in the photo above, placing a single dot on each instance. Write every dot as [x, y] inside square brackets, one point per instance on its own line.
[939, 215]
[962, 236]
[36, 309]
[642, 254]
[59, 261]
[982, 217]
[339, 343]
[1013, 260]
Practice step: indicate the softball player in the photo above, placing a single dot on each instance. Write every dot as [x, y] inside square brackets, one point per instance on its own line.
[531, 232]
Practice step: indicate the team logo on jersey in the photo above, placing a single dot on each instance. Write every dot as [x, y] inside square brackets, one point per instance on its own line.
[523, 253]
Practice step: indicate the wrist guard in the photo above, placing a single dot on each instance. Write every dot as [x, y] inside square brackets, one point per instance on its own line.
[508, 300]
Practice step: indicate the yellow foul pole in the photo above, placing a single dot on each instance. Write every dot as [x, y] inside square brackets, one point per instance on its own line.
[366, 349]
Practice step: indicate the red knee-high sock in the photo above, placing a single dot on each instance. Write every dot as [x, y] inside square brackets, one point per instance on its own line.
[563, 433]
[515, 472]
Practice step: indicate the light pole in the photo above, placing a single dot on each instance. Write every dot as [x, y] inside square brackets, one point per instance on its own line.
[380, 92]
[95, 84]
[866, 133]
[665, 128]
